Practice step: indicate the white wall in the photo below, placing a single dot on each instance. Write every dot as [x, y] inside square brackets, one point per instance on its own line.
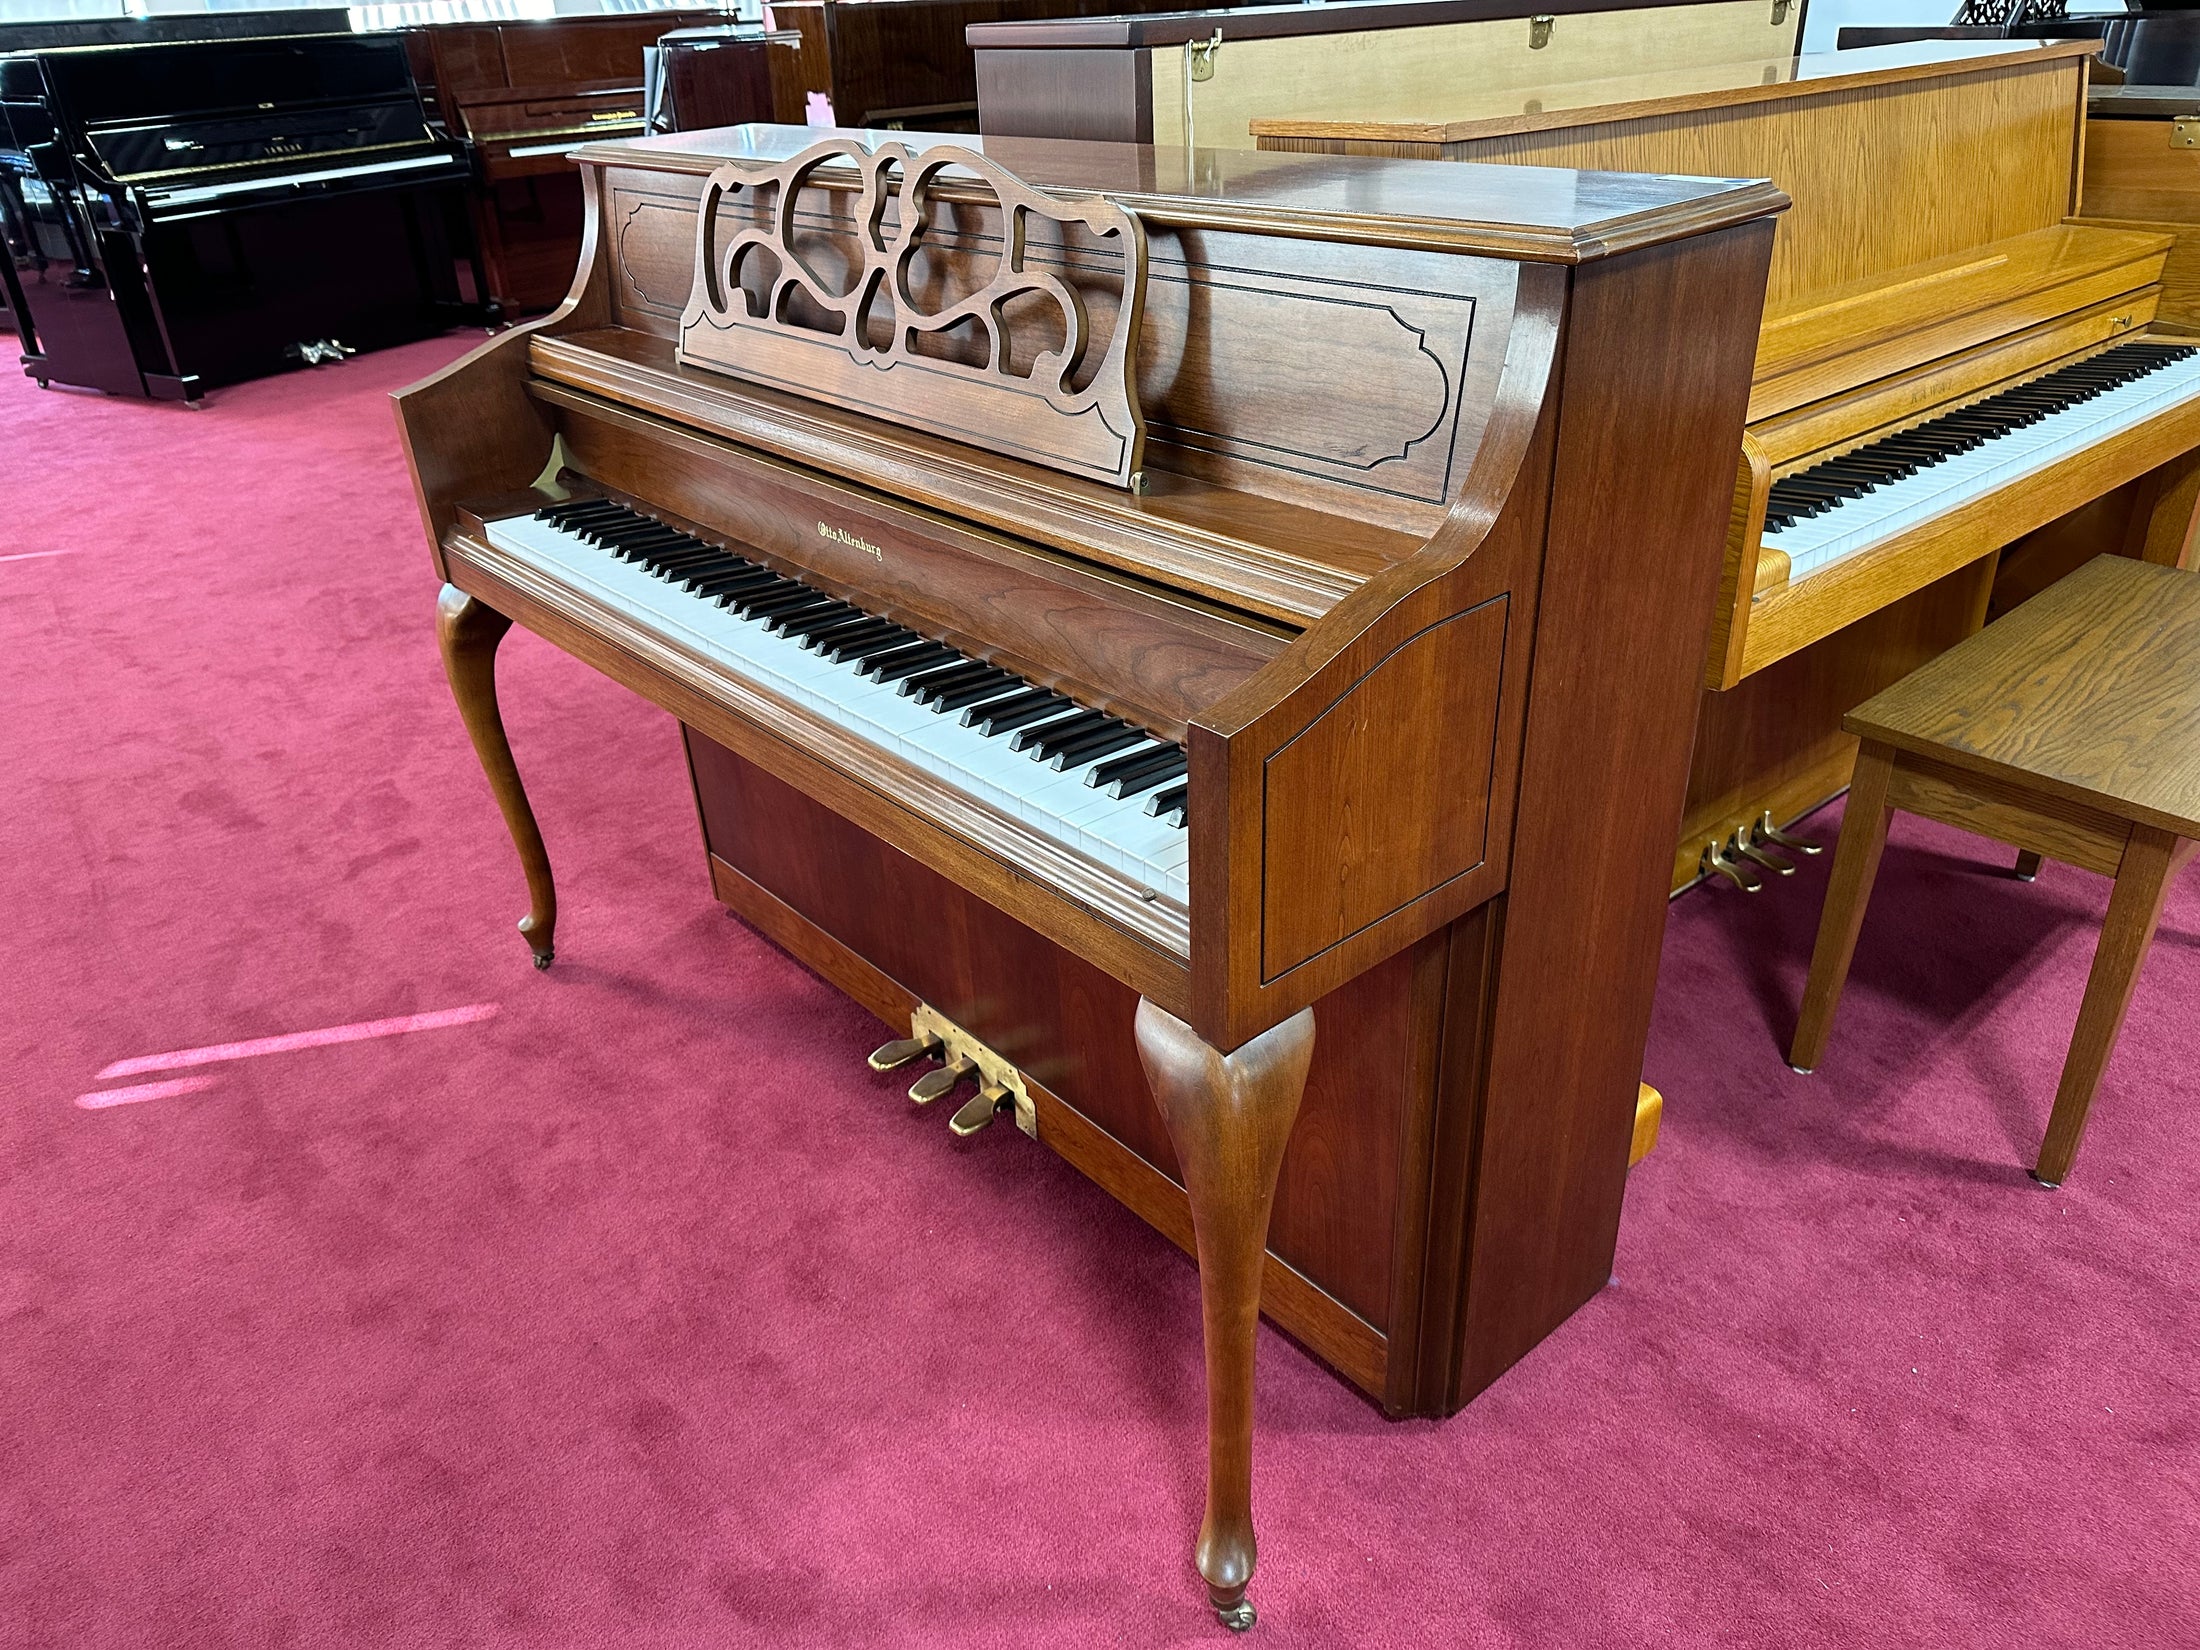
[1826, 18]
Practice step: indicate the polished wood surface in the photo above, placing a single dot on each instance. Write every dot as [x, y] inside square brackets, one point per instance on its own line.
[2138, 176]
[520, 94]
[2069, 729]
[903, 64]
[1229, 1118]
[1029, 353]
[1199, 78]
[1350, 625]
[1899, 291]
[469, 631]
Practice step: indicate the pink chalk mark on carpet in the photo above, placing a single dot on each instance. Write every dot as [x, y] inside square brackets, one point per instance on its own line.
[290, 1042]
[101, 1099]
[34, 555]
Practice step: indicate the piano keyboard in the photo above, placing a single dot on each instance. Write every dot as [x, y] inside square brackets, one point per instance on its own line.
[1833, 510]
[1100, 785]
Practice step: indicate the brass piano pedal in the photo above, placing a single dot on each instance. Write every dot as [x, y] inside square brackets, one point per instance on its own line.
[978, 1111]
[945, 1080]
[1743, 848]
[1716, 863]
[1766, 831]
[962, 1059]
[901, 1051]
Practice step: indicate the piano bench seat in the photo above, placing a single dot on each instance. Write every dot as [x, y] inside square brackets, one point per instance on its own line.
[2069, 730]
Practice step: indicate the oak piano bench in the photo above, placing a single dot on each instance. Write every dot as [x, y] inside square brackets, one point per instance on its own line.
[2069, 729]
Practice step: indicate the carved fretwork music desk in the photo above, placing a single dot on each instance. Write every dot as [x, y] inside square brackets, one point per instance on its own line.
[1206, 642]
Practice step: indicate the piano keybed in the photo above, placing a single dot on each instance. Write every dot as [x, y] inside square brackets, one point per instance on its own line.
[1098, 784]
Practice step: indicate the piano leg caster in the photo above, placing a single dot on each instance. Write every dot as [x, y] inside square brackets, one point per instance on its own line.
[1229, 1117]
[1237, 1617]
[468, 632]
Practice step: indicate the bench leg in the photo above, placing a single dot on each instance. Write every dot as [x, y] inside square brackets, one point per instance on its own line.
[1855, 867]
[2142, 883]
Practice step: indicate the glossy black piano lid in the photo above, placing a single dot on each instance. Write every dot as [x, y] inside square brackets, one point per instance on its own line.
[133, 84]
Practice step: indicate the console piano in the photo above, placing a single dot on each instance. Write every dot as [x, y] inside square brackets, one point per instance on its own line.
[1197, 77]
[184, 215]
[1131, 610]
[1960, 389]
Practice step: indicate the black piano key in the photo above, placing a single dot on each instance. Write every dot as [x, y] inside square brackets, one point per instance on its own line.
[1171, 800]
[948, 675]
[801, 621]
[862, 625]
[711, 574]
[1041, 741]
[1092, 747]
[853, 648]
[1138, 784]
[1135, 764]
[892, 667]
[665, 564]
[728, 588]
[1005, 714]
[1026, 725]
[980, 693]
[772, 598]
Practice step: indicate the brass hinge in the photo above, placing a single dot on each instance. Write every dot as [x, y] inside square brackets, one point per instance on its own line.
[2185, 133]
[1539, 32]
[1202, 55]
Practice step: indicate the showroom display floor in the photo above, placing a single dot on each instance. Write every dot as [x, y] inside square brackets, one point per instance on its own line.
[361, 1286]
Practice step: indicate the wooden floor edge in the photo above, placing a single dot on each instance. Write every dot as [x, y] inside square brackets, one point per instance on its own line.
[1321, 1323]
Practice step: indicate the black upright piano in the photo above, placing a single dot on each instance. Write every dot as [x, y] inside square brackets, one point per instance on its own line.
[181, 216]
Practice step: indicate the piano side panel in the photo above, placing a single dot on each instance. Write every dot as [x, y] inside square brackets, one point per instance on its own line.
[1377, 417]
[1654, 385]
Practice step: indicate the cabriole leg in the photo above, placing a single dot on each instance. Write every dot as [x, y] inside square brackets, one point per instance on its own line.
[469, 631]
[1229, 1117]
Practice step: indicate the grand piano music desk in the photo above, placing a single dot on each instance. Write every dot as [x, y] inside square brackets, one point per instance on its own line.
[1145, 618]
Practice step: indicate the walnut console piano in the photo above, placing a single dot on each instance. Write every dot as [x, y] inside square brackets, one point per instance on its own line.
[1151, 633]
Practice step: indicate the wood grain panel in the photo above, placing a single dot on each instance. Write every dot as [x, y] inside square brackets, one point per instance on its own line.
[1349, 71]
[2001, 142]
[1345, 821]
[1068, 1024]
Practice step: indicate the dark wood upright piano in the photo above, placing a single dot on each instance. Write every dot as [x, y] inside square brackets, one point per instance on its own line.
[1147, 625]
[520, 96]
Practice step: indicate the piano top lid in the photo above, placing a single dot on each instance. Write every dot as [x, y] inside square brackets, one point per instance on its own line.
[1469, 113]
[1174, 28]
[1534, 213]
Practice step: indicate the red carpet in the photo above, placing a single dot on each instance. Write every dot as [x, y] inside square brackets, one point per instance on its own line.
[639, 1313]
